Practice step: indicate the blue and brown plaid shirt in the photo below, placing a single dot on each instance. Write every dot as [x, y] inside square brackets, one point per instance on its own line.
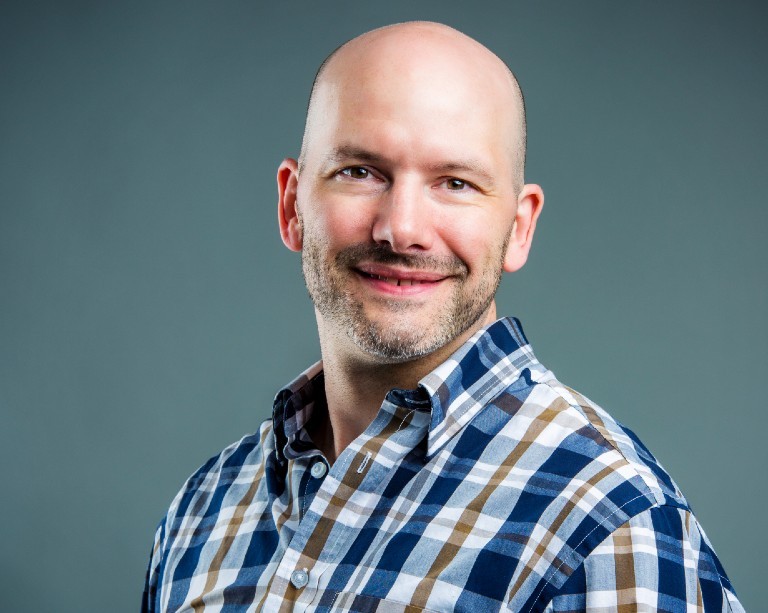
[490, 487]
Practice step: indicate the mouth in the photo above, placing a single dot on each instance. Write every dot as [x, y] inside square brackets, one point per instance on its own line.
[395, 281]
[387, 276]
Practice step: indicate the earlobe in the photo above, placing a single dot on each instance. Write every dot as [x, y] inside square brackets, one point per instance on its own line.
[530, 201]
[287, 213]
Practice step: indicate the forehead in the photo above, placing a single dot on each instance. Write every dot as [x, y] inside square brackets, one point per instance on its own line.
[417, 95]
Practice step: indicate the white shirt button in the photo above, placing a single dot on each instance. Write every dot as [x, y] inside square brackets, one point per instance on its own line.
[318, 469]
[300, 578]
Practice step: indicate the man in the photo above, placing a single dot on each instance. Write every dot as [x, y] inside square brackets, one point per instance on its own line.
[429, 462]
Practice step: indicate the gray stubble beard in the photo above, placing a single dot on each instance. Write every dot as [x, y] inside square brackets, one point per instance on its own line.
[325, 284]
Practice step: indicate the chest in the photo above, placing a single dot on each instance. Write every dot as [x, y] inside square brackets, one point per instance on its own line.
[373, 533]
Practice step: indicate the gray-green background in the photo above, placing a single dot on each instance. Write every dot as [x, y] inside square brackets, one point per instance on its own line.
[148, 311]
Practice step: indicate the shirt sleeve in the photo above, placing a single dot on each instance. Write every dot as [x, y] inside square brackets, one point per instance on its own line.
[659, 560]
[149, 598]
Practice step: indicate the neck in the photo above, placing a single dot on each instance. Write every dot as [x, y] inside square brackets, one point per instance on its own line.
[356, 384]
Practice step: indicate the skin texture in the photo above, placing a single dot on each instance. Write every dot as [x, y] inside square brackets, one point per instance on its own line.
[408, 207]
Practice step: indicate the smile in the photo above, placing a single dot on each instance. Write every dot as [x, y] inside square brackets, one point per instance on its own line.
[397, 282]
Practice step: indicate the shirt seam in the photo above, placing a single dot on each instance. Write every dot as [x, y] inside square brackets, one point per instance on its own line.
[547, 580]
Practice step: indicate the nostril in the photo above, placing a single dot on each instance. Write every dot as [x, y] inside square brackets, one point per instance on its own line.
[403, 218]
[401, 237]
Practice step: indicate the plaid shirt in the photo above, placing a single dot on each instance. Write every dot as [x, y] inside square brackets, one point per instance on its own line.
[490, 487]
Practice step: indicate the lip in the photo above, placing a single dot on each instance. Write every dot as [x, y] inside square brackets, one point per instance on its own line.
[398, 281]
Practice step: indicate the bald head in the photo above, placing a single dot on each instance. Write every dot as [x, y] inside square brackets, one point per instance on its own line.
[435, 65]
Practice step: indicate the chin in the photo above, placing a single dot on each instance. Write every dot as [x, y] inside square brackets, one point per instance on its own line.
[402, 342]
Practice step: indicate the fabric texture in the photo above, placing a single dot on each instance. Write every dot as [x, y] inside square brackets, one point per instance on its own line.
[491, 487]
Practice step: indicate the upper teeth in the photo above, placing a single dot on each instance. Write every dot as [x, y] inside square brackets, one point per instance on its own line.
[392, 281]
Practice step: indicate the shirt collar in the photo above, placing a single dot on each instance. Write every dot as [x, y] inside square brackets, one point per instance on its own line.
[292, 409]
[481, 369]
[454, 392]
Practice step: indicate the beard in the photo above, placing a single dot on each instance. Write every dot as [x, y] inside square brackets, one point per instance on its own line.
[397, 334]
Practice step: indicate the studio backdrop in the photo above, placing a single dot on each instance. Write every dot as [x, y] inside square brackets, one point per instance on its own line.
[149, 311]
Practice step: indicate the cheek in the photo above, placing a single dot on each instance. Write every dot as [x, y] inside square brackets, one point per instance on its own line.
[478, 240]
[338, 222]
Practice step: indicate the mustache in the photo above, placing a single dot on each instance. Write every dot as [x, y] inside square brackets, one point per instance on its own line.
[383, 254]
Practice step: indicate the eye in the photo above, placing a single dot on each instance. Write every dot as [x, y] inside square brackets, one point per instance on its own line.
[456, 185]
[356, 172]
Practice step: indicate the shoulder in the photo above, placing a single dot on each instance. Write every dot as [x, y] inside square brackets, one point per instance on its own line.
[659, 559]
[583, 476]
[610, 442]
[214, 490]
[221, 482]
[628, 528]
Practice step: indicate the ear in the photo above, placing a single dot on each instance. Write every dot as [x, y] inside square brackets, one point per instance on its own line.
[530, 201]
[287, 214]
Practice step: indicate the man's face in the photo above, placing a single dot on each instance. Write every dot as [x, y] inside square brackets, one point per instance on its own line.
[406, 201]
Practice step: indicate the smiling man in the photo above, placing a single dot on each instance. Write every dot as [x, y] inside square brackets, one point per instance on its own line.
[429, 462]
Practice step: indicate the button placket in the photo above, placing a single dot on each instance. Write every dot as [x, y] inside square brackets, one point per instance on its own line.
[358, 469]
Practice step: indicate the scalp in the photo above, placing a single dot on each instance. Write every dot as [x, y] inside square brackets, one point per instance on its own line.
[416, 52]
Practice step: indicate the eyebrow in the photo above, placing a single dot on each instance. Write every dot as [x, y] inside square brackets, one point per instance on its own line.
[349, 152]
[345, 153]
[469, 166]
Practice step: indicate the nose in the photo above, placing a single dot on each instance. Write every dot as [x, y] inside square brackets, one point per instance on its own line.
[403, 218]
